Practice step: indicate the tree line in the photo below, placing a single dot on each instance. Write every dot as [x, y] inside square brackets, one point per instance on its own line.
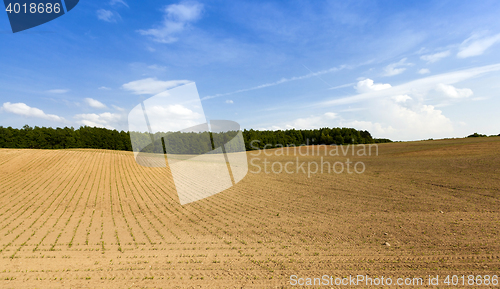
[177, 142]
[322, 136]
[187, 142]
[480, 135]
[64, 138]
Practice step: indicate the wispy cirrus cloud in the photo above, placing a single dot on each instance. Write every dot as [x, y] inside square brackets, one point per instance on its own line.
[176, 18]
[107, 15]
[118, 2]
[431, 58]
[157, 67]
[152, 85]
[474, 46]
[422, 86]
[283, 80]
[111, 16]
[118, 108]
[396, 68]
[57, 91]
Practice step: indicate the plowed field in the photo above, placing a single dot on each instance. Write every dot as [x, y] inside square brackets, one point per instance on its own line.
[94, 218]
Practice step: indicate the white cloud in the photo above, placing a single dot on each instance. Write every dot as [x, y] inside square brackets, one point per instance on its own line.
[157, 67]
[313, 121]
[431, 58]
[152, 85]
[453, 92]
[106, 120]
[184, 12]
[341, 86]
[375, 128]
[95, 103]
[25, 110]
[272, 127]
[367, 85]
[114, 2]
[118, 108]
[395, 68]
[389, 118]
[104, 88]
[391, 70]
[420, 86]
[229, 101]
[421, 121]
[401, 98]
[393, 120]
[175, 20]
[330, 115]
[403, 119]
[353, 109]
[58, 91]
[175, 111]
[424, 71]
[107, 15]
[422, 50]
[474, 46]
[166, 117]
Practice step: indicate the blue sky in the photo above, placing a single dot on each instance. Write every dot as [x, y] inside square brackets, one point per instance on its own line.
[399, 69]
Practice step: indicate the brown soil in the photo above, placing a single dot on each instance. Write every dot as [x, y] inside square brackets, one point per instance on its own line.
[94, 218]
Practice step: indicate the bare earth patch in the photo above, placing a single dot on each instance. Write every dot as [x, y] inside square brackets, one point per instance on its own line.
[94, 218]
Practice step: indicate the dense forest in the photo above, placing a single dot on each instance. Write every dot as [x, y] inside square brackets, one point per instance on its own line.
[63, 138]
[101, 138]
[295, 137]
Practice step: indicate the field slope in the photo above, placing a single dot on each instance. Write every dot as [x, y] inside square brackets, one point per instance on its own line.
[94, 218]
